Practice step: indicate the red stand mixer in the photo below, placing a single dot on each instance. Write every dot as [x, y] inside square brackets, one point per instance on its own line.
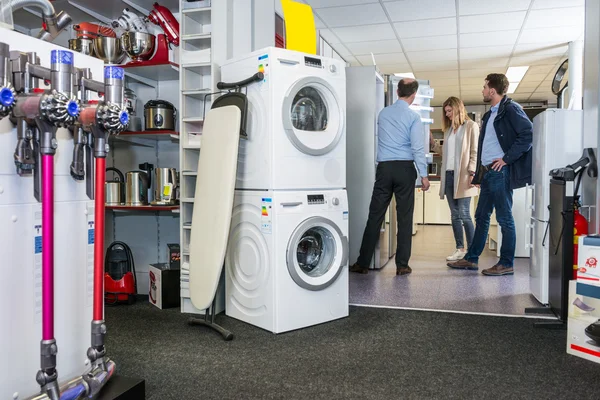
[162, 17]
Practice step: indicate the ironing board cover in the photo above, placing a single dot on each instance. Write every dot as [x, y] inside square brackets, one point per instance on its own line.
[213, 202]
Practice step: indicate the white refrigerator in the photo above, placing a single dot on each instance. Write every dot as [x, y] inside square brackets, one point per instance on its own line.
[365, 98]
[557, 142]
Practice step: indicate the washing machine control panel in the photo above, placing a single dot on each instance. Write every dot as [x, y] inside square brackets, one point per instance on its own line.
[313, 62]
[316, 199]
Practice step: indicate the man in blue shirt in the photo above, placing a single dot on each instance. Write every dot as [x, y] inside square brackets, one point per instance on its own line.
[504, 164]
[400, 146]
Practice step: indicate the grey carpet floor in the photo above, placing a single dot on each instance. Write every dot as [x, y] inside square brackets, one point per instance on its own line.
[373, 354]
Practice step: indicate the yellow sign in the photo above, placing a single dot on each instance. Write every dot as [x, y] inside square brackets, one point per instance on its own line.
[300, 31]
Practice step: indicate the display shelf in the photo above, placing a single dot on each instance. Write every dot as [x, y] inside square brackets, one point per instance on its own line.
[153, 135]
[153, 71]
[187, 200]
[198, 68]
[190, 173]
[197, 94]
[192, 147]
[150, 208]
[193, 119]
[197, 14]
[197, 40]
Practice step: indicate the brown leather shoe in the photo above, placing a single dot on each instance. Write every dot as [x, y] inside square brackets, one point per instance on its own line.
[358, 269]
[403, 270]
[498, 270]
[463, 264]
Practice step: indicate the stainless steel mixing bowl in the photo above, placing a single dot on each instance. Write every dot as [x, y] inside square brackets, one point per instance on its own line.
[84, 46]
[138, 45]
[109, 49]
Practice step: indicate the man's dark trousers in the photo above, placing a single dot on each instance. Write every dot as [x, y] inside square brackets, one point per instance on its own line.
[392, 178]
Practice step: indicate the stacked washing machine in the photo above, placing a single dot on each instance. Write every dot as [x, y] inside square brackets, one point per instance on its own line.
[287, 258]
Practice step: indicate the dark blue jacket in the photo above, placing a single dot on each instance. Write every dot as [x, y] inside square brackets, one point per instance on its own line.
[515, 134]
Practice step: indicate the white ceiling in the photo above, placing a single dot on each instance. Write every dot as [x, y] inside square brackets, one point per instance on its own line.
[455, 43]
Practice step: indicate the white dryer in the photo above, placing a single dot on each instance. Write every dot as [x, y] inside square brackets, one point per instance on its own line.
[286, 266]
[296, 121]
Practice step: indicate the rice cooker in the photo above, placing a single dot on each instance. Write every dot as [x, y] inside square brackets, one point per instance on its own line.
[159, 115]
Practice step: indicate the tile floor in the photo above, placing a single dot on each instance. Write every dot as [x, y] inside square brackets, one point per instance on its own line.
[432, 285]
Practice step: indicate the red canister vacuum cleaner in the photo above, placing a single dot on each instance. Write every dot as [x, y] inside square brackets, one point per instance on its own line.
[120, 282]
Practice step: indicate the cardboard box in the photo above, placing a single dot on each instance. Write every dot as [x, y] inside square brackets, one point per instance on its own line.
[584, 310]
[588, 270]
[164, 286]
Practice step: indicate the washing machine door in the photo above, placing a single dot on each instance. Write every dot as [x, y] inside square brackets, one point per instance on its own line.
[313, 117]
[317, 251]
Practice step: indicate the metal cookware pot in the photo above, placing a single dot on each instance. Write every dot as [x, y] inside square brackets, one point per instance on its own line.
[159, 115]
[136, 189]
[115, 189]
[84, 46]
[165, 185]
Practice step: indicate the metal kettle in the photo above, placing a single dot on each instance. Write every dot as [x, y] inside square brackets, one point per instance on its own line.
[136, 188]
[165, 185]
[115, 189]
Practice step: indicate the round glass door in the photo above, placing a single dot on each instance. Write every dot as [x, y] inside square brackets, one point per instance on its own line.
[316, 254]
[313, 118]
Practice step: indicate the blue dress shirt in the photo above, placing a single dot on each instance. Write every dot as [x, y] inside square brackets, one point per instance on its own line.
[491, 147]
[401, 136]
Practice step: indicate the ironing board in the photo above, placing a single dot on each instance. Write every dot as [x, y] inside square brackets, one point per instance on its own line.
[213, 202]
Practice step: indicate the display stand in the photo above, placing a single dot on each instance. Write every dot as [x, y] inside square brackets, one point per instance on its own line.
[209, 322]
[560, 236]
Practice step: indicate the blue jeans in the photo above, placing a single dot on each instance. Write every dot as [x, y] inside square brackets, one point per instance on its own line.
[460, 212]
[495, 193]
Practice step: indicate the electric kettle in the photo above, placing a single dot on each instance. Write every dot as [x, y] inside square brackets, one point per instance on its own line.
[115, 189]
[165, 185]
[136, 188]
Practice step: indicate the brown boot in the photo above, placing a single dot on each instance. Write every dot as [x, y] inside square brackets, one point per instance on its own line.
[403, 270]
[358, 269]
[463, 264]
[498, 270]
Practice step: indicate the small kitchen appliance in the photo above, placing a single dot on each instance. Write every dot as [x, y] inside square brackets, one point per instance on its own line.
[159, 115]
[136, 193]
[165, 183]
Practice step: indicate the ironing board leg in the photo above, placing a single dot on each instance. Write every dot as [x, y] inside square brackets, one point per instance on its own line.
[227, 335]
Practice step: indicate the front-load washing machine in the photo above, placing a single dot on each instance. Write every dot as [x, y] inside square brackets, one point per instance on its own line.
[296, 121]
[287, 259]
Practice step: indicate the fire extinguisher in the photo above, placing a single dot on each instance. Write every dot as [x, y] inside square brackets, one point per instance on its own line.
[580, 229]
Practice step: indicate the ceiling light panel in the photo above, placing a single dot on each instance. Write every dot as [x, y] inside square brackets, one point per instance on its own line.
[516, 74]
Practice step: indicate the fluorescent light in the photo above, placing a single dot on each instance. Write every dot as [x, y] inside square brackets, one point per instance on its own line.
[405, 75]
[515, 75]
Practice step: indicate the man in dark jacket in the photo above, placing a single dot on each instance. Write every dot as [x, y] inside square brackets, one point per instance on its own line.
[504, 164]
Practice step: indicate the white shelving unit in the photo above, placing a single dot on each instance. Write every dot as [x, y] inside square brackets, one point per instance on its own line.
[197, 80]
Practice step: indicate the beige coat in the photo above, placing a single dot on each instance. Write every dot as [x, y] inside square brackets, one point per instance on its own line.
[467, 140]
